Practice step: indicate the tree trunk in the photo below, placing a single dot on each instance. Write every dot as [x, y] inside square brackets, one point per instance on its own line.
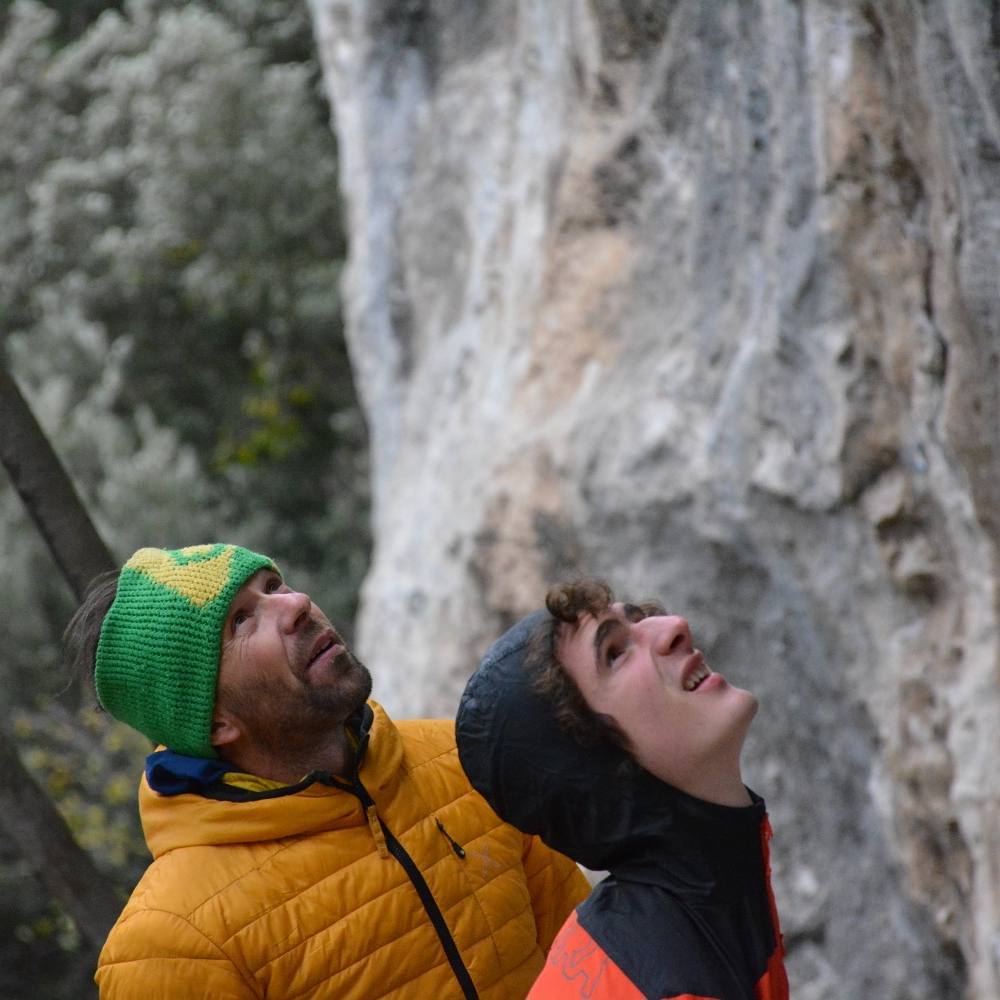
[28, 817]
[47, 492]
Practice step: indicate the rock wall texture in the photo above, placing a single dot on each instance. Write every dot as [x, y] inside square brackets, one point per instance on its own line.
[703, 298]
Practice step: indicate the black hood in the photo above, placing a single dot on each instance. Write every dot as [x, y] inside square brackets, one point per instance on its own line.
[591, 803]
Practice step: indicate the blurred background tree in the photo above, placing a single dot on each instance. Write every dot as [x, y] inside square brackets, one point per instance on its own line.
[170, 247]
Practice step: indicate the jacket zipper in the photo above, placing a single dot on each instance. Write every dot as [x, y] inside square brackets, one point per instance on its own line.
[396, 849]
[455, 845]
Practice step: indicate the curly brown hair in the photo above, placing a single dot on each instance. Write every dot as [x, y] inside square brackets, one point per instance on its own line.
[566, 603]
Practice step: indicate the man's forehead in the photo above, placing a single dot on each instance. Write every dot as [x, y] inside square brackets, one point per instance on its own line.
[263, 573]
[256, 580]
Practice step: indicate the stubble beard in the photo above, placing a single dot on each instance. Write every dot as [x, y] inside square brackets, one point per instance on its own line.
[308, 716]
[352, 682]
[340, 701]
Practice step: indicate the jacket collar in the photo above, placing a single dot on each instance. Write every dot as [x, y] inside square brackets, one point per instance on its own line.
[695, 849]
[184, 801]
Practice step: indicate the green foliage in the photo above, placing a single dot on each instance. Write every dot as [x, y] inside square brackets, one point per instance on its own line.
[170, 253]
[89, 764]
[73, 17]
[170, 258]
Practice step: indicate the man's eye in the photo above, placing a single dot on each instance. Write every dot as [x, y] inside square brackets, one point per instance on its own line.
[238, 619]
[614, 653]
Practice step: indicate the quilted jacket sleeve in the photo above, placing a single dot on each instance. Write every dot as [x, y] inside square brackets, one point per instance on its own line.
[156, 955]
[557, 887]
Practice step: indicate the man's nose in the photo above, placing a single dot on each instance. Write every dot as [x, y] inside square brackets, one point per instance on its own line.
[292, 610]
[668, 633]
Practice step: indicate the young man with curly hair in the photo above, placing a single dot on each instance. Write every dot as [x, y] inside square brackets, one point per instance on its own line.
[600, 727]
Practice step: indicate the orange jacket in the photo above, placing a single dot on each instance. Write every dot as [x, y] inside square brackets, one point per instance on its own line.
[306, 893]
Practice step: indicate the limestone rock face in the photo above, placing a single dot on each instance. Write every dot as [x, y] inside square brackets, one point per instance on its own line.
[703, 298]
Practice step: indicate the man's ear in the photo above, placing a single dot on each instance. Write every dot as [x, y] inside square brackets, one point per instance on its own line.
[225, 728]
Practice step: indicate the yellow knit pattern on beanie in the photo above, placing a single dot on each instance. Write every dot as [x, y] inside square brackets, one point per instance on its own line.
[199, 582]
[158, 656]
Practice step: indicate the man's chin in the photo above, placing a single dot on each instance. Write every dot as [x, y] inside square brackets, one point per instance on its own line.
[345, 690]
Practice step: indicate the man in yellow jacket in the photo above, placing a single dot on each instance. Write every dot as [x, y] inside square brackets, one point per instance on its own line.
[304, 845]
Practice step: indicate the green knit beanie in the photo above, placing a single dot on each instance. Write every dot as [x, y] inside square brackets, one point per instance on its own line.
[158, 655]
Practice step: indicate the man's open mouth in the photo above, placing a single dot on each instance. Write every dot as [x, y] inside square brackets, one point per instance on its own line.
[327, 641]
[695, 673]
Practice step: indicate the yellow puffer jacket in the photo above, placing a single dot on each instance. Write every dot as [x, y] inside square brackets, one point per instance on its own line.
[302, 893]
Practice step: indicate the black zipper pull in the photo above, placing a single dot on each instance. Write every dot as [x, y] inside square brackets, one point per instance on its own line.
[455, 845]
